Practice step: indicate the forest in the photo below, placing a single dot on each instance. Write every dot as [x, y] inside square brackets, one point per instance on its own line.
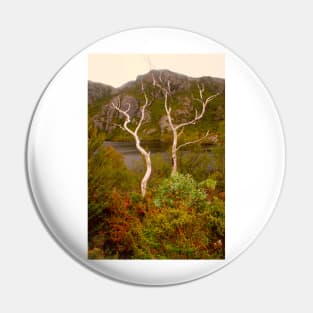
[168, 204]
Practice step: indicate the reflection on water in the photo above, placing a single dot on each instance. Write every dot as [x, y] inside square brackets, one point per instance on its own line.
[133, 158]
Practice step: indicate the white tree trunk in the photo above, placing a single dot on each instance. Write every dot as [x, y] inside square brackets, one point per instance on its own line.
[143, 152]
[147, 175]
[174, 152]
[146, 156]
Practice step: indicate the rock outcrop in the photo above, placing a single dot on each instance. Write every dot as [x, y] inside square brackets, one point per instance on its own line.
[97, 91]
[155, 123]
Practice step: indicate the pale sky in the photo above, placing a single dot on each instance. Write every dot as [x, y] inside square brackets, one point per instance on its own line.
[117, 69]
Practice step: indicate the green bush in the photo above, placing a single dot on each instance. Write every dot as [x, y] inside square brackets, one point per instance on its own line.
[209, 183]
[190, 227]
[177, 190]
[177, 233]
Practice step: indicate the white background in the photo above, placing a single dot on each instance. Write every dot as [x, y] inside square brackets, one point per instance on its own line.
[272, 37]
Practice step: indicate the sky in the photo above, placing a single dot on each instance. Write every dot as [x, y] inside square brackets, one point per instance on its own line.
[117, 69]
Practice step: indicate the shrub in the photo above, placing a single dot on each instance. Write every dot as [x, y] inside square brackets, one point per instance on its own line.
[95, 253]
[179, 190]
[95, 139]
[106, 172]
[176, 233]
[216, 227]
[209, 183]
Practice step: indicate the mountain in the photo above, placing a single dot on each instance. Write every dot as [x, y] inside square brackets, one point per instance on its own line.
[155, 125]
[98, 91]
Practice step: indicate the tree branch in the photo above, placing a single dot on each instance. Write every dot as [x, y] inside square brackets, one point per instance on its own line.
[204, 105]
[180, 133]
[125, 113]
[118, 125]
[142, 109]
[194, 141]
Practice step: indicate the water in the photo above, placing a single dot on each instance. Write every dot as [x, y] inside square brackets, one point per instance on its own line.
[133, 158]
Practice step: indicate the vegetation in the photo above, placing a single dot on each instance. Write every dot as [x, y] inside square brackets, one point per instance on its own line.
[181, 216]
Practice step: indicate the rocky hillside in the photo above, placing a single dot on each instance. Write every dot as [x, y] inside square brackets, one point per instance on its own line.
[98, 91]
[155, 126]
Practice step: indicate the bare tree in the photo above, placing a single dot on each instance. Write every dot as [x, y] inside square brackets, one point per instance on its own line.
[125, 126]
[165, 87]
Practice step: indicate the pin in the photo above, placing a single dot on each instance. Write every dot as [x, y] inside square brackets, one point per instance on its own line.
[155, 156]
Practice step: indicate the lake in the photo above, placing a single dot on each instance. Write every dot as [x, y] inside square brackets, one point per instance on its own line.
[133, 158]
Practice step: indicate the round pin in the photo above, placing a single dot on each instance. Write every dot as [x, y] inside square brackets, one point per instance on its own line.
[155, 156]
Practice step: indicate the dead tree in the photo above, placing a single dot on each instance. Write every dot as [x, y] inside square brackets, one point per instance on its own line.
[125, 126]
[177, 129]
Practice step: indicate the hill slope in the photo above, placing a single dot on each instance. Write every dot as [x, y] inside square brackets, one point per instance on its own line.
[155, 125]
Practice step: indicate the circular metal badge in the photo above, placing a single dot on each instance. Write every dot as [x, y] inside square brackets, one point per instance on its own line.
[155, 156]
